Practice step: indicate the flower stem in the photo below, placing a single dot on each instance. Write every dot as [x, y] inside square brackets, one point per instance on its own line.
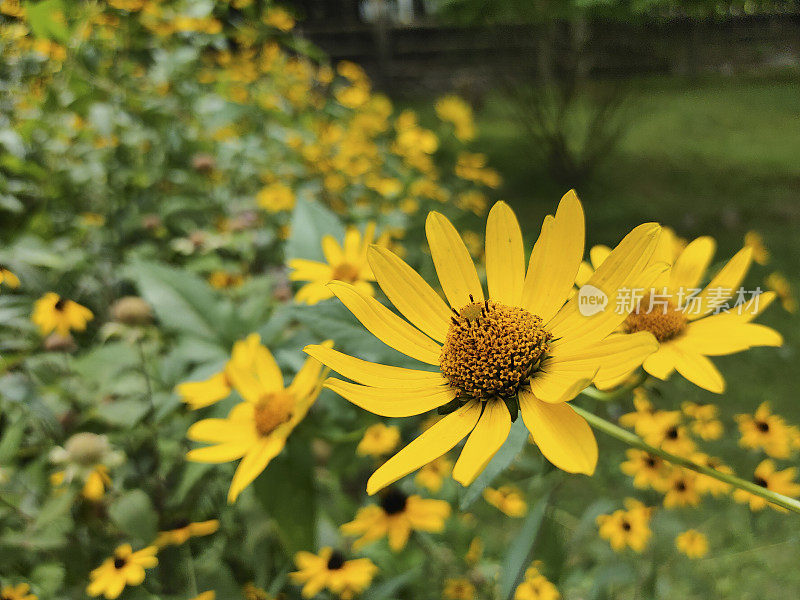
[634, 440]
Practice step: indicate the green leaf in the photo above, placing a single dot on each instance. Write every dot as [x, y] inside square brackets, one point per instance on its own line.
[134, 514]
[123, 413]
[46, 19]
[286, 490]
[390, 589]
[513, 445]
[310, 221]
[519, 552]
[11, 441]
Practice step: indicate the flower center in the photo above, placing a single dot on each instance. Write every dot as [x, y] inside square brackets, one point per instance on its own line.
[273, 410]
[657, 315]
[760, 481]
[393, 502]
[762, 426]
[626, 526]
[60, 304]
[119, 563]
[336, 561]
[492, 349]
[345, 272]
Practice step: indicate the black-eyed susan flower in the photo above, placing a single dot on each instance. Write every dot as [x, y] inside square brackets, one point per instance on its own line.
[379, 439]
[329, 569]
[669, 433]
[21, 591]
[627, 528]
[778, 284]
[431, 476]
[645, 416]
[536, 586]
[521, 349]
[458, 588]
[711, 485]
[51, 312]
[8, 278]
[647, 470]
[681, 489]
[256, 429]
[395, 517]
[276, 197]
[124, 568]
[692, 543]
[344, 262]
[768, 476]
[507, 499]
[766, 431]
[180, 532]
[705, 423]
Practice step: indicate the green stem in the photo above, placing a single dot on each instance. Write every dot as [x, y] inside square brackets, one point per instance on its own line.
[634, 440]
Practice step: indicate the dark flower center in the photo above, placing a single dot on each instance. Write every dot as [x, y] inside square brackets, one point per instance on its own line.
[393, 502]
[60, 304]
[650, 461]
[760, 481]
[336, 561]
[626, 526]
[680, 486]
[672, 433]
[119, 563]
[762, 426]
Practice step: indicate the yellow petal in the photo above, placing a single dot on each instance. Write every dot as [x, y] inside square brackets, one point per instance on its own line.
[562, 381]
[267, 370]
[410, 293]
[483, 443]
[723, 285]
[692, 263]
[505, 256]
[598, 254]
[332, 250]
[562, 435]
[253, 463]
[199, 394]
[452, 261]
[699, 370]
[373, 374]
[309, 270]
[718, 335]
[220, 453]
[387, 326]
[555, 260]
[661, 363]
[428, 446]
[220, 431]
[392, 402]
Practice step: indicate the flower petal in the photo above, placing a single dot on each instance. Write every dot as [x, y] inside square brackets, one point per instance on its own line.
[368, 373]
[505, 256]
[699, 370]
[410, 293]
[387, 326]
[563, 436]
[723, 285]
[562, 381]
[253, 463]
[691, 264]
[393, 402]
[661, 363]
[428, 446]
[718, 335]
[484, 441]
[453, 263]
[555, 260]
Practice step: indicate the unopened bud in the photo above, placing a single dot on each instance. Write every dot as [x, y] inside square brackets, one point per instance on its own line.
[132, 310]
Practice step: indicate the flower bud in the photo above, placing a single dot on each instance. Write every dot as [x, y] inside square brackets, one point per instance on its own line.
[132, 310]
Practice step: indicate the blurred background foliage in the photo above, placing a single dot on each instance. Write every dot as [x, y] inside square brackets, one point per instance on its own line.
[184, 151]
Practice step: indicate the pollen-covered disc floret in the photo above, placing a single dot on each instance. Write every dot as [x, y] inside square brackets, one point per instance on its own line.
[661, 318]
[492, 349]
[273, 410]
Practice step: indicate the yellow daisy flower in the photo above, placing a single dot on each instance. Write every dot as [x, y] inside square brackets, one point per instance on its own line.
[711, 485]
[431, 476]
[705, 423]
[692, 543]
[681, 489]
[645, 417]
[17, 592]
[395, 517]
[647, 470]
[7, 277]
[521, 349]
[669, 434]
[329, 569]
[536, 586]
[256, 430]
[182, 531]
[276, 197]
[279, 18]
[778, 284]
[767, 476]
[94, 488]
[765, 431]
[51, 312]
[627, 528]
[458, 589]
[125, 568]
[507, 499]
[378, 440]
[347, 263]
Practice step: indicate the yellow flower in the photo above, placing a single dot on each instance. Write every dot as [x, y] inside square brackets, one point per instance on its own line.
[431, 476]
[692, 543]
[279, 18]
[124, 568]
[276, 197]
[767, 476]
[17, 592]
[210, 595]
[454, 110]
[627, 528]
[507, 499]
[681, 489]
[395, 517]
[475, 551]
[94, 488]
[536, 586]
[711, 485]
[379, 439]
[669, 434]
[754, 241]
[181, 533]
[199, 394]
[777, 283]
[7, 277]
[252, 592]
[472, 167]
[766, 431]
[329, 569]
[53, 313]
[521, 349]
[223, 279]
[256, 429]
[347, 263]
[647, 470]
[645, 417]
[458, 589]
[704, 420]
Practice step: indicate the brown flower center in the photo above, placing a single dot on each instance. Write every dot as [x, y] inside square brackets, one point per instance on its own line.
[393, 502]
[657, 315]
[273, 410]
[762, 426]
[60, 304]
[119, 563]
[345, 272]
[626, 526]
[336, 561]
[492, 349]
